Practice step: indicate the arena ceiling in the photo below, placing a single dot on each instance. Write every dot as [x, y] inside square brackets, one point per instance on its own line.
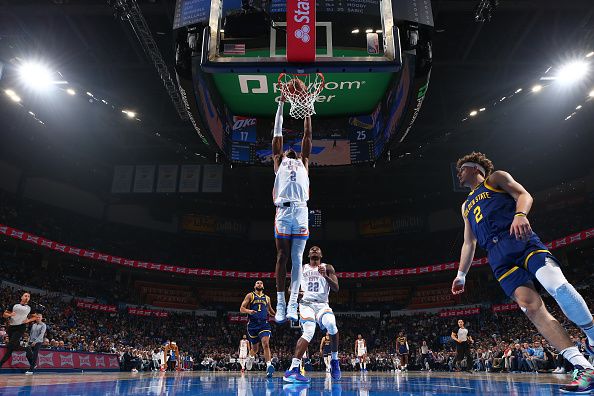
[475, 64]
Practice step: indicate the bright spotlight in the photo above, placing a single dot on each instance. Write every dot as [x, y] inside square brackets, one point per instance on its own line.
[379, 31]
[71, 91]
[36, 75]
[537, 88]
[15, 98]
[9, 92]
[591, 94]
[129, 113]
[590, 54]
[369, 31]
[578, 107]
[482, 109]
[355, 31]
[572, 72]
[518, 90]
[473, 113]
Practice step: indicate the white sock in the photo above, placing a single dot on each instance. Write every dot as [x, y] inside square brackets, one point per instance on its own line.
[334, 355]
[573, 355]
[589, 330]
[280, 297]
[295, 363]
[365, 365]
[297, 249]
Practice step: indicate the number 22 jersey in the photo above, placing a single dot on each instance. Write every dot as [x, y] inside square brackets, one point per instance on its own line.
[315, 287]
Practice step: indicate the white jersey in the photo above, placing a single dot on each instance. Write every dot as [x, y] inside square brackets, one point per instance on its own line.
[315, 287]
[291, 183]
[243, 348]
[361, 347]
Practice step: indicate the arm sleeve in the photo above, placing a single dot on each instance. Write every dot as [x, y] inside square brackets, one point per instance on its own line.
[278, 120]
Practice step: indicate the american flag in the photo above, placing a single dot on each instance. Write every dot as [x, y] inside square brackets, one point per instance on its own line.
[234, 49]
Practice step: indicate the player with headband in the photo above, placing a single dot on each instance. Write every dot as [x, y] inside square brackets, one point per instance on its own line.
[495, 216]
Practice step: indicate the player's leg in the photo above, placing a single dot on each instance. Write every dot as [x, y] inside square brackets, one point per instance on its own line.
[283, 248]
[551, 277]
[299, 234]
[308, 326]
[328, 322]
[327, 363]
[255, 346]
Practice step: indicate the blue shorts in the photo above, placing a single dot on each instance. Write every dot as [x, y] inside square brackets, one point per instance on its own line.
[514, 262]
[402, 350]
[257, 330]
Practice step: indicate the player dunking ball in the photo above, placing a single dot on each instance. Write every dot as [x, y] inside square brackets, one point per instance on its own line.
[244, 347]
[361, 352]
[496, 216]
[257, 305]
[316, 282]
[290, 195]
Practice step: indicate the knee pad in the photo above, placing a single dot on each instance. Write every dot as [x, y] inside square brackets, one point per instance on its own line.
[329, 323]
[550, 276]
[309, 329]
[573, 305]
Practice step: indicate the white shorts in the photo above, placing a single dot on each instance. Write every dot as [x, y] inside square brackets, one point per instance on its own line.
[310, 311]
[291, 222]
[361, 352]
[243, 355]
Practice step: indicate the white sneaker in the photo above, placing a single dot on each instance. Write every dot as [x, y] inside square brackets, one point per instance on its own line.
[556, 371]
[134, 370]
[281, 313]
[28, 372]
[249, 362]
[292, 312]
[561, 370]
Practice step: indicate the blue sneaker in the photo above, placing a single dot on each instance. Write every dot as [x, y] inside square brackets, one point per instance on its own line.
[269, 371]
[292, 314]
[335, 369]
[294, 376]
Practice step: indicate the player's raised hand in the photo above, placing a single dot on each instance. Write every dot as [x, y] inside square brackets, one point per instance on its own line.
[520, 228]
[458, 285]
[322, 270]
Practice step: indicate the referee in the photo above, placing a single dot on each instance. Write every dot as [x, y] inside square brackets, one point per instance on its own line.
[17, 324]
[463, 341]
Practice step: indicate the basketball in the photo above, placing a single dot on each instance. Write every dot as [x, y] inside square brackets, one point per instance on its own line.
[295, 86]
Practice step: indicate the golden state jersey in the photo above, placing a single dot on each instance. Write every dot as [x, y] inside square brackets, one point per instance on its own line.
[291, 183]
[259, 304]
[490, 212]
[315, 287]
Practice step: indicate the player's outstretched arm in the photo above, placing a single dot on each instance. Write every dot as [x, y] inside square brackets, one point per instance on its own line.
[244, 305]
[466, 256]
[277, 136]
[520, 226]
[306, 142]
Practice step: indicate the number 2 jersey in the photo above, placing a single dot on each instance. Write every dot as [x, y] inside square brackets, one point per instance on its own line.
[315, 287]
[490, 212]
[291, 183]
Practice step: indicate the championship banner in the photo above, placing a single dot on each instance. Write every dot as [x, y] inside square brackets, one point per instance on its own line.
[122, 179]
[234, 318]
[505, 307]
[301, 31]
[459, 312]
[147, 312]
[96, 307]
[56, 361]
[167, 178]
[93, 255]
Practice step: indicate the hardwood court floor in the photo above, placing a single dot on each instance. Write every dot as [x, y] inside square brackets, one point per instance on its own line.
[256, 384]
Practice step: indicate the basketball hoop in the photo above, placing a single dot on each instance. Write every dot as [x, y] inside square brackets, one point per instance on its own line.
[302, 97]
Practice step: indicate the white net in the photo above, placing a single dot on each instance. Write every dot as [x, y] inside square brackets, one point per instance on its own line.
[302, 97]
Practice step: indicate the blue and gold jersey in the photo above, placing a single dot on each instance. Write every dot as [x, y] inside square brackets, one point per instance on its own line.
[490, 212]
[259, 303]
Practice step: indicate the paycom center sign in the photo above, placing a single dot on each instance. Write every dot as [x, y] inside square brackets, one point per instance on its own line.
[343, 94]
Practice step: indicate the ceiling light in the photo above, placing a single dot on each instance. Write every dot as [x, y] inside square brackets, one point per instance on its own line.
[90, 94]
[537, 88]
[15, 98]
[572, 72]
[369, 31]
[33, 114]
[473, 113]
[71, 91]
[518, 90]
[9, 92]
[129, 113]
[590, 54]
[35, 75]
[482, 109]
[355, 31]
[591, 94]
[379, 31]
[578, 107]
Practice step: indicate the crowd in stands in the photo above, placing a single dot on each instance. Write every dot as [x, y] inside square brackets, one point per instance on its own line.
[503, 341]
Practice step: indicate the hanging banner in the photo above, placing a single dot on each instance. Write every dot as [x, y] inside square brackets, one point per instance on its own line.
[93, 255]
[167, 178]
[144, 178]
[96, 307]
[459, 312]
[122, 179]
[212, 180]
[189, 180]
[147, 312]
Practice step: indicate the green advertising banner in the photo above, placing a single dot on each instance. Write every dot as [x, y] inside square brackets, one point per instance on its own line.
[343, 94]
